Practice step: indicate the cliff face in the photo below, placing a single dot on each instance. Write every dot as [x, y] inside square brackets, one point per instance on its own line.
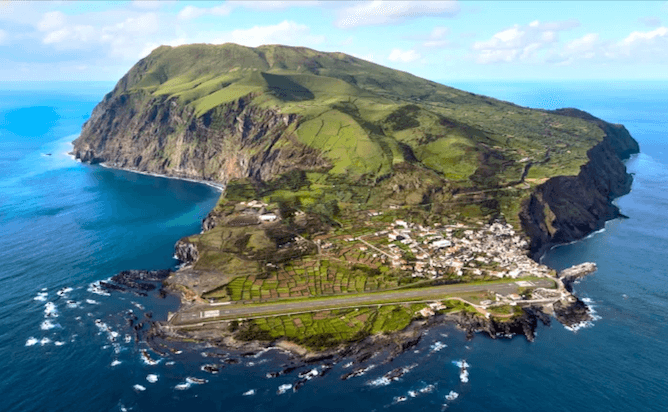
[568, 208]
[157, 134]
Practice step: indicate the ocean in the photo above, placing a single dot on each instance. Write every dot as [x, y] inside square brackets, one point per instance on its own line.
[67, 346]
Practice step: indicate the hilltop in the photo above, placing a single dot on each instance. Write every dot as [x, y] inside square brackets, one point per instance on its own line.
[325, 157]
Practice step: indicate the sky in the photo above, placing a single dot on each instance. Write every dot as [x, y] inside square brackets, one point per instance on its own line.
[438, 40]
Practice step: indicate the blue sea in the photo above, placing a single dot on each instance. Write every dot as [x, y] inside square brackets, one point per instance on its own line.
[67, 346]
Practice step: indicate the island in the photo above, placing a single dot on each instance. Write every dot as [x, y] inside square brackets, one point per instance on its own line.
[361, 204]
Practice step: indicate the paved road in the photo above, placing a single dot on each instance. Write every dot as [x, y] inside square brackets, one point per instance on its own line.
[202, 313]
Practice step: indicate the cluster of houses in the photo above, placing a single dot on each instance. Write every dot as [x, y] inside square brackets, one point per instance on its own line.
[493, 249]
[258, 209]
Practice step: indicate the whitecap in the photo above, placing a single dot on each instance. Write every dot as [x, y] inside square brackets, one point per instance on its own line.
[452, 396]
[31, 341]
[581, 325]
[170, 363]
[437, 346]
[309, 375]
[461, 364]
[139, 388]
[128, 338]
[152, 378]
[64, 291]
[464, 376]
[249, 392]
[412, 394]
[283, 388]
[97, 289]
[400, 399]
[47, 325]
[138, 306]
[382, 381]
[182, 386]
[92, 302]
[146, 358]
[44, 341]
[116, 362]
[428, 389]
[41, 296]
[50, 310]
[58, 343]
[463, 372]
[72, 304]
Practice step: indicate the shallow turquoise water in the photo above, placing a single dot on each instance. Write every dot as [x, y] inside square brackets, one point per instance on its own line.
[65, 224]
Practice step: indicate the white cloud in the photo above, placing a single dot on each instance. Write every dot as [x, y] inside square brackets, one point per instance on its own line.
[3, 36]
[520, 42]
[584, 45]
[650, 21]
[638, 47]
[51, 20]
[273, 5]
[192, 12]
[437, 37]
[379, 12]
[149, 4]
[286, 32]
[119, 39]
[407, 56]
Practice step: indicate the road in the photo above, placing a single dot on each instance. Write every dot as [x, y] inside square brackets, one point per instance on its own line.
[205, 313]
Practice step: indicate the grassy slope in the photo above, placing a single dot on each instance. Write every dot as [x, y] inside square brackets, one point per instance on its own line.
[361, 114]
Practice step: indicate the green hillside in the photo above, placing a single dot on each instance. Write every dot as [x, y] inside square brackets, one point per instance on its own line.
[376, 127]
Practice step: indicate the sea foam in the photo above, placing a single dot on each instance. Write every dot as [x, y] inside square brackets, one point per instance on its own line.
[283, 388]
[47, 325]
[50, 310]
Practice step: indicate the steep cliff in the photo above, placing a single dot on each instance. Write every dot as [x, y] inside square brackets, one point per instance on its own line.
[568, 208]
[161, 135]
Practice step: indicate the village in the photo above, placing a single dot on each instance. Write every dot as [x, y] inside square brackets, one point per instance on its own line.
[454, 253]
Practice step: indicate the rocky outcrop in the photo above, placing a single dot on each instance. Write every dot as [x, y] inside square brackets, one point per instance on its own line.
[568, 208]
[572, 312]
[136, 281]
[186, 252]
[159, 134]
[572, 274]
[524, 324]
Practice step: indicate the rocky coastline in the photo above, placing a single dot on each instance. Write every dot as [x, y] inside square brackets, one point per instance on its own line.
[568, 208]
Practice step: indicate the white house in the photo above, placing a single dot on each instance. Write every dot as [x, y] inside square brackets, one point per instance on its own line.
[268, 217]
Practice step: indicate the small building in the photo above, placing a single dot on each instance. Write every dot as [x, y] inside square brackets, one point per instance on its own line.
[268, 217]
[441, 243]
[426, 312]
